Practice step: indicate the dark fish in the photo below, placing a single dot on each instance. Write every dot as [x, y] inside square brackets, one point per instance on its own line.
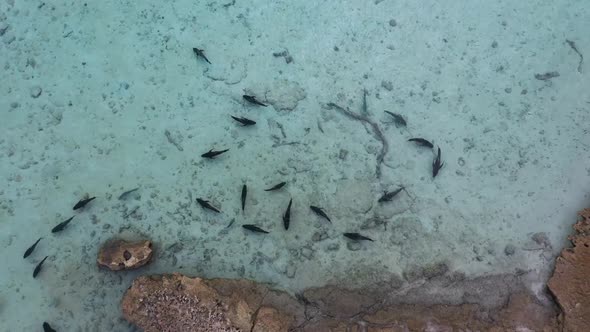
[244, 193]
[206, 205]
[422, 142]
[276, 187]
[356, 237]
[38, 267]
[388, 196]
[287, 215]
[212, 154]
[320, 212]
[47, 328]
[201, 53]
[82, 203]
[437, 164]
[253, 100]
[254, 228]
[398, 119]
[62, 225]
[125, 194]
[31, 248]
[244, 121]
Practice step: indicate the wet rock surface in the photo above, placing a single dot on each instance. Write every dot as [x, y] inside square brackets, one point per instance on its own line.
[180, 303]
[118, 254]
[570, 283]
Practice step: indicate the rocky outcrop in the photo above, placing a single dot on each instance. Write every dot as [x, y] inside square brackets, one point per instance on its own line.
[179, 303]
[119, 254]
[570, 283]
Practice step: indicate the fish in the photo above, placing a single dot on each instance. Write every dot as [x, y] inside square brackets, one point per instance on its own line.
[212, 154]
[254, 228]
[201, 53]
[422, 142]
[82, 203]
[287, 215]
[276, 187]
[244, 193]
[320, 212]
[38, 267]
[253, 100]
[357, 237]
[206, 205]
[437, 164]
[388, 196]
[47, 327]
[398, 119]
[127, 193]
[31, 248]
[62, 225]
[244, 121]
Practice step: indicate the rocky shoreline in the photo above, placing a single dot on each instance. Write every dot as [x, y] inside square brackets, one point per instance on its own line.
[442, 301]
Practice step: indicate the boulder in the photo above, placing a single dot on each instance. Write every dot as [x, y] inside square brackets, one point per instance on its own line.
[117, 254]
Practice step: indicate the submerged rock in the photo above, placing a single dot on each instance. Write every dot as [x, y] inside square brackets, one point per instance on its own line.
[117, 254]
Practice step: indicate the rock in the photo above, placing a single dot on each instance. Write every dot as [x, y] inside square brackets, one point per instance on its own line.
[285, 95]
[36, 91]
[117, 254]
[291, 269]
[319, 236]
[178, 303]
[542, 240]
[570, 283]
[3, 28]
[182, 304]
[354, 245]
[509, 250]
[333, 246]
[306, 252]
[387, 85]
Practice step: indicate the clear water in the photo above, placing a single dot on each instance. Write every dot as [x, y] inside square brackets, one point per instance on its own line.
[101, 97]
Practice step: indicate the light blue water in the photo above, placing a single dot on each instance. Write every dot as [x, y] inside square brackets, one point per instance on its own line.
[101, 97]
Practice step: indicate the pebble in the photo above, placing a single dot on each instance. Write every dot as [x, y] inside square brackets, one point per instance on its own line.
[392, 23]
[36, 91]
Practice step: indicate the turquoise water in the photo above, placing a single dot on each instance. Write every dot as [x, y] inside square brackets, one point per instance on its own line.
[99, 98]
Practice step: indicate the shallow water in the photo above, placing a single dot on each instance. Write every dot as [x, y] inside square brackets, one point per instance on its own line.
[99, 98]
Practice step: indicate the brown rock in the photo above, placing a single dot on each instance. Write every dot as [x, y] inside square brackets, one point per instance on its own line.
[119, 254]
[179, 303]
[570, 283]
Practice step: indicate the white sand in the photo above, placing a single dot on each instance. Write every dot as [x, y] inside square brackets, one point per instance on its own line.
[116, 75]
